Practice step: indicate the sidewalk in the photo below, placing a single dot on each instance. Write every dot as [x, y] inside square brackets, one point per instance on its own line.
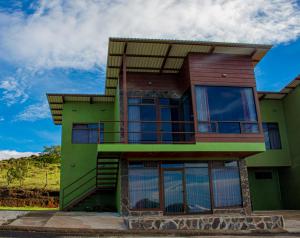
[109, 224]
[81, 220]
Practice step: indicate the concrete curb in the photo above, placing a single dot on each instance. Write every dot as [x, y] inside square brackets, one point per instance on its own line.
[108, 232]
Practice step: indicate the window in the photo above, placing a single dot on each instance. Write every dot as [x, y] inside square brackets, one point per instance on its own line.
[88, 133]
[141, 113]
[272, 136]
[226, 110]
[143, 117]
[143, 186]
[226, 184]
[263, 175]
[197, 188]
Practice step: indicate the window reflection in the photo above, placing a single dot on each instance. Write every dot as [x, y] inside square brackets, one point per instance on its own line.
[226, 184]
[197, 190]
[226, 110]
[91, 133]
[143, 187]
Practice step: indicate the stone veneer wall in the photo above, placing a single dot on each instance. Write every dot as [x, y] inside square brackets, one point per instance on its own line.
[244, 210]
[207, 223]
[124, 188]
[245, 187]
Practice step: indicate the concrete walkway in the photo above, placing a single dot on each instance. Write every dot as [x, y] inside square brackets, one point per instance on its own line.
[82, 220]
[108, 224]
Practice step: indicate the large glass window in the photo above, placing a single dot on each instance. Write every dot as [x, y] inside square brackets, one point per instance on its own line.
[184, 187]
[226, 110]
[197, 188]
[272, 136]
[92, 133]
[143, 186]
[226, 184]
[141, 113]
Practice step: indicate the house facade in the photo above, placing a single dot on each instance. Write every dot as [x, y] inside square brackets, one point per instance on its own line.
[180, 129]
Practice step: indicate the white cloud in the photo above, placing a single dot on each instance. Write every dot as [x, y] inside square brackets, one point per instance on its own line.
[74, 33]
[2, 118]
[34, 112]
[13, 90]
[7, 154]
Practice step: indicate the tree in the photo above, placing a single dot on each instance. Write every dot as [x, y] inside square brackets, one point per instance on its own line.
[18, 172]
[50, 155]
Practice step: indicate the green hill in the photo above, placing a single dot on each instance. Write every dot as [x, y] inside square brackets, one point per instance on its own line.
[33, 172]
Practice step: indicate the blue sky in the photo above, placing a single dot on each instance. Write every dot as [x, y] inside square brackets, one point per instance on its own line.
[60, 46]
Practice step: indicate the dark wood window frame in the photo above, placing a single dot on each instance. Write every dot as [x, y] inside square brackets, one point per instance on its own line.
[159, 121]
[161, 189]
[242, 131]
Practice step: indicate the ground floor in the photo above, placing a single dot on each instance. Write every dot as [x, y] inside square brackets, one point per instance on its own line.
[164, 187]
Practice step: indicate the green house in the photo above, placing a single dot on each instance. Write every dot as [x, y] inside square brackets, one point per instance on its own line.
[180, 129]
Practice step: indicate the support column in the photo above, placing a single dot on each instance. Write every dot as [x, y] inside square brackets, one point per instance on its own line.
[124, 187]
[245, 187]
[125, 104]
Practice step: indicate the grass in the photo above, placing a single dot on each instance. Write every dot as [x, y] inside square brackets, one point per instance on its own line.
[36, 175]
[27, 209]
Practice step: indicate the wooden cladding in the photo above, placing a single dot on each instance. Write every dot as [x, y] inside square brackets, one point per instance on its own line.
[143, 81]
[197, 69]
[221, 69]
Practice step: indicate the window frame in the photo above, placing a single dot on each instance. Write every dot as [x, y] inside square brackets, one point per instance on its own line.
[242, 131]
[267, 124]
[210, 181]
[159, 187]
[212, 188]
[100, 130]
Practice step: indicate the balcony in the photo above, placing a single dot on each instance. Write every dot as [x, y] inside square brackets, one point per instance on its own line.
[135, 132]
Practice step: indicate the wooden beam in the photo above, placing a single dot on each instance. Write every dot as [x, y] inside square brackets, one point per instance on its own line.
[253, 53]
[165, 59]
[125, 112]
[212, 49]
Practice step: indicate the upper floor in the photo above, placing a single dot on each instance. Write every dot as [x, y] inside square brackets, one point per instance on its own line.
[171, 92]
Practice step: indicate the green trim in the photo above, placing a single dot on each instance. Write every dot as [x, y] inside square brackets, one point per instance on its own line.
[198, 147]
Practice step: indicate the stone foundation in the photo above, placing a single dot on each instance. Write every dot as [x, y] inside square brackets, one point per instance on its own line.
[208, 223]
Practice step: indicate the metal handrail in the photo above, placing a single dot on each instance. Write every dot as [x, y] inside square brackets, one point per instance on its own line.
[180, 131]
[84, 176]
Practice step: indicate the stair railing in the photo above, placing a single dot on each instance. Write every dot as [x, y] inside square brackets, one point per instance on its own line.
[80, 182]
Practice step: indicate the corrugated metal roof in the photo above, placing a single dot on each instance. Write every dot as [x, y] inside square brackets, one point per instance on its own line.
[282, 93]
[56, 102]
[166, 56]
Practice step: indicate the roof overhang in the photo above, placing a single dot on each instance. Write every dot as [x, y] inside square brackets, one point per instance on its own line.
[166, 56]
[282, 93]
[56, 102]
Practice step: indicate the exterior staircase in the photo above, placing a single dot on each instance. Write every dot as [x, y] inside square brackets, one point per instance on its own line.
[107, 171]
[101, 196]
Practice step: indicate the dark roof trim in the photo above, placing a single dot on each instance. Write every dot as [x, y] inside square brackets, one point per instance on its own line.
[189, 42]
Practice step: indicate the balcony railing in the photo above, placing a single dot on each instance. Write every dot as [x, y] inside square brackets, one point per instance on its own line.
[228, 127]
[138, 132]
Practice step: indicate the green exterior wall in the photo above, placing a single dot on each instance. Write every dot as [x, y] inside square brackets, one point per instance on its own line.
[78, 159]
[291, 176]
[273, 111]
[265, 193]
